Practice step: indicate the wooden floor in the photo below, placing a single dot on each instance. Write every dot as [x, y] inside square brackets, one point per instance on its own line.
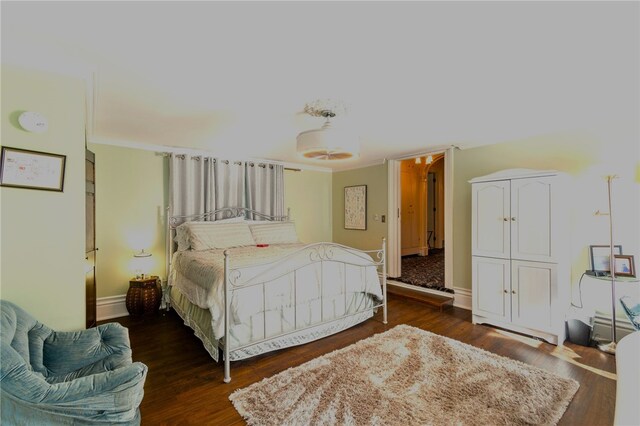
[184, 385]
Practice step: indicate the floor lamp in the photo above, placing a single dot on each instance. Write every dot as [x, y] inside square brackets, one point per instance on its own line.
[611, 347]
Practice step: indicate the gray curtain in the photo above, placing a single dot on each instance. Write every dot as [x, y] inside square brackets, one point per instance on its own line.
[188, 179]
[265, 188]
[229, 189]
[202, 184]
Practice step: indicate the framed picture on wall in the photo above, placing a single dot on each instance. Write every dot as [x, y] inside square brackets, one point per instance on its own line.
[600, 257]
[21, 168]
[355, 207]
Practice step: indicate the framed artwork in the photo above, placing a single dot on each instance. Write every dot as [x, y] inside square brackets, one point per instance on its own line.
[624, 265]
[355, 207]
[21, 168]
[600, 257]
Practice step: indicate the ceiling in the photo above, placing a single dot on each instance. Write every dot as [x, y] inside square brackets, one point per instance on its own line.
[233, 78]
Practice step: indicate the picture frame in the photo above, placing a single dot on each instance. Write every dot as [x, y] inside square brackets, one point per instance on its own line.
[600, 257]
[624, 265]
[355, 207]
[22, 168]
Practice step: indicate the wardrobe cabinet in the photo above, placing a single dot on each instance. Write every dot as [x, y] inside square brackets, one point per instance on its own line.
[520, 278]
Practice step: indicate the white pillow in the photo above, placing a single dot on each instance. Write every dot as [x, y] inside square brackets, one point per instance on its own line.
[274, 233]
[238, 219]
[213, 235]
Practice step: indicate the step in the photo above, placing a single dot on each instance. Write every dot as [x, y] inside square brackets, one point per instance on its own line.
[434, 300]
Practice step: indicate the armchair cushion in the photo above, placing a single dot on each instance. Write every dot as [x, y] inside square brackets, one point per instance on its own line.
[67, 377]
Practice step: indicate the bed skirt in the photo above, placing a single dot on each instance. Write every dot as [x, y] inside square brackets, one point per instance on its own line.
[199, 320]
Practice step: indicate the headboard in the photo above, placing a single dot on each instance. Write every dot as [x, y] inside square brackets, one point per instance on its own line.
[223, 213]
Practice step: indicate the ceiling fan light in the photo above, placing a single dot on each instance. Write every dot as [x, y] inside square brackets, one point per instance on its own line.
[328, 143]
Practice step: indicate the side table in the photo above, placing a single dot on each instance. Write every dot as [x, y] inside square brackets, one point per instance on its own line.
[144, 296]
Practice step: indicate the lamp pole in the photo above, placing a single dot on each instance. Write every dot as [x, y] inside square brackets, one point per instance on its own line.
[611, 347]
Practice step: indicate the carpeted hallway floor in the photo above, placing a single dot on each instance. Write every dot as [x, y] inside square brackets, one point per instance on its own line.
[425, 271]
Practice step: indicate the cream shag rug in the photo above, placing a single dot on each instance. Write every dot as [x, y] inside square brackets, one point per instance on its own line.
[407, 376]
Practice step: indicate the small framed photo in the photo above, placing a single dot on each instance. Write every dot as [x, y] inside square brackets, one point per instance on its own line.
[624, 265]
[600, 257]
[21, 168]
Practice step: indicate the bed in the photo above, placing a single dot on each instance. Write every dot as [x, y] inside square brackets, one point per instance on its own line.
[247, 287]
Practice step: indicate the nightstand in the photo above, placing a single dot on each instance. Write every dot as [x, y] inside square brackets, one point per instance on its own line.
[144, 296]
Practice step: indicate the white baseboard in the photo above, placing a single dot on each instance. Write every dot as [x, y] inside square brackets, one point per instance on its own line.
[462, 298]
[111, 307]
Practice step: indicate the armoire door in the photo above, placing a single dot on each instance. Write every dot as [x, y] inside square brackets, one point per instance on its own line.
[531, 219]
[90, 241]
[491, 293]
[491, 219]
[533, 290]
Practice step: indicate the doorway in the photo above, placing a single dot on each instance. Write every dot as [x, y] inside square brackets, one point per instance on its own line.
[420, 212]
[422, 221]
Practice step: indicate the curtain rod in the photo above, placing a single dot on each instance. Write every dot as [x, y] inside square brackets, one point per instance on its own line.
[251, 163]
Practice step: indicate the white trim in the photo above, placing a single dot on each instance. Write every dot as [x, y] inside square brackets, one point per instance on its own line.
[462, 298]
[393, 219]
[180, 150]
[514, 174]
[448, 217]
[434, 151]
[361, 166]
[111, 307]
[419, 289]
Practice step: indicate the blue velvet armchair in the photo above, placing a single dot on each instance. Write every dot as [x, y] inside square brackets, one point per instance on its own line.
[83, 377]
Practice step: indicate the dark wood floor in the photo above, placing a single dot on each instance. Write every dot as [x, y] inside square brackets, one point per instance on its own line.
[184, 385]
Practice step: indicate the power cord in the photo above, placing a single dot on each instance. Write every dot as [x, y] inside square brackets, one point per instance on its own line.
[579, 292]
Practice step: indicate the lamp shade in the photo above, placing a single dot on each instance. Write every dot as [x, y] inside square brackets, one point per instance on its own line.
[328, 143]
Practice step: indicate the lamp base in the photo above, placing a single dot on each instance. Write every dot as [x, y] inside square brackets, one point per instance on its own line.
[609, 348]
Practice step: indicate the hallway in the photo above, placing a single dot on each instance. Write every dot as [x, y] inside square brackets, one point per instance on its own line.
[425, 271]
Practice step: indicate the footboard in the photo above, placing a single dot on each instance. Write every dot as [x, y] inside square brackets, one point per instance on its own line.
[323, 256]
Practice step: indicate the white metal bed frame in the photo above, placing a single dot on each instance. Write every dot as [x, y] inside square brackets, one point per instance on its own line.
[316, 252]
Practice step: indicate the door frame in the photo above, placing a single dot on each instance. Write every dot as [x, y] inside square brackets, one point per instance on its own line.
[394, 242]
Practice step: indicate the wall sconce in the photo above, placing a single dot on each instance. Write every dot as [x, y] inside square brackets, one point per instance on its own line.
[418, 160]
[430, 159]
[142, 263]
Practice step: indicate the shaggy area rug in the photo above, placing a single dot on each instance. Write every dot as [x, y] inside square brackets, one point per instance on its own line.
[407, 376]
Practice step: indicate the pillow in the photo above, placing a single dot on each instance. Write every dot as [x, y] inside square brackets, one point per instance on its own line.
[213, 235]
[274, 233]
[238, 219]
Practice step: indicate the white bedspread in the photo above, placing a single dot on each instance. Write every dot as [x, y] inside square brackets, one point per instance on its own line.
[293, 296]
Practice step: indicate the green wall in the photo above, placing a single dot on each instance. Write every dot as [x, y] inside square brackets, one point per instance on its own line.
[131, 196]
[375, 177]
[586, 159]
[43, 232]
[308, 194]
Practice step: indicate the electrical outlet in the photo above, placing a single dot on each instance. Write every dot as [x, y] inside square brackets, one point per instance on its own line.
[376, 217]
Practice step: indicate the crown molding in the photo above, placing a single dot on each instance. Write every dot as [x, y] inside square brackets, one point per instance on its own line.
[164, 149]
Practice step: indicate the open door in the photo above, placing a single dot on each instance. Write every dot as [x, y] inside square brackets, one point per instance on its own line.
[90, 241]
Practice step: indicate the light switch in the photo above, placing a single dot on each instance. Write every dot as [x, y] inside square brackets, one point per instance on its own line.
[384, 218]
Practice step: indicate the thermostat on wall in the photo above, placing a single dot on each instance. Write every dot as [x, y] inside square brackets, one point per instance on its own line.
[33, 122]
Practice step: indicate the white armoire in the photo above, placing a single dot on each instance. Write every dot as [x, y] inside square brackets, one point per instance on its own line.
[520, 271]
